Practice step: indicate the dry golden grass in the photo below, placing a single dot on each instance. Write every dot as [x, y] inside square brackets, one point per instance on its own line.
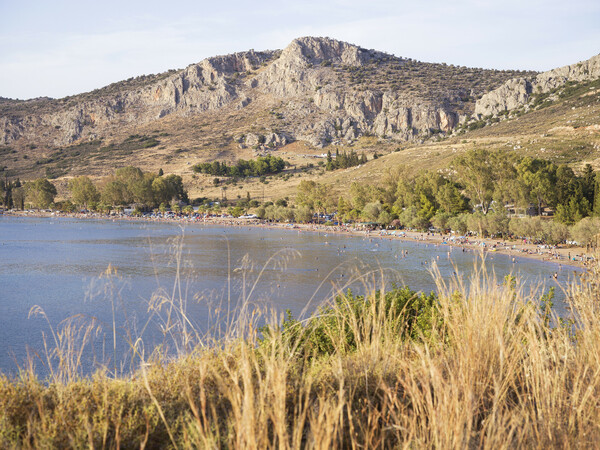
[493, 372]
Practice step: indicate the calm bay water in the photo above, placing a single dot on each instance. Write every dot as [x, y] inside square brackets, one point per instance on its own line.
[57, 264]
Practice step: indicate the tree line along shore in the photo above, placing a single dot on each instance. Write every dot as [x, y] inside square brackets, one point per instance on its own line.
[488, 195]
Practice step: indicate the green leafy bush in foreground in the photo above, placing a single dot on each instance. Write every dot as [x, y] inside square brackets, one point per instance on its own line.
[339, 327]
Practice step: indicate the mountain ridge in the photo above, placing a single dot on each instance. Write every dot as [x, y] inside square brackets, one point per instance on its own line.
[331, 91]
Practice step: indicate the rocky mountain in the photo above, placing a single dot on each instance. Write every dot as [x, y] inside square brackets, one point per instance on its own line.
[518, 92]
[326, 91]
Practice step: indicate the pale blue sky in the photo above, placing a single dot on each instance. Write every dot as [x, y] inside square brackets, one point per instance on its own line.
[63, 47]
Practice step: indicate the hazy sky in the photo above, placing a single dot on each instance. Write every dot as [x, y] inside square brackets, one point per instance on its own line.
[63, 47]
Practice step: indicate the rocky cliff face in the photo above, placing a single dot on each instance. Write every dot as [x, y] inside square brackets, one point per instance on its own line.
[517, 92]
[199, 87]
[330, 91]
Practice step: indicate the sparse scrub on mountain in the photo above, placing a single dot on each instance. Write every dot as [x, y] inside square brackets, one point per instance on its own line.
[540, 90]
[426, 79]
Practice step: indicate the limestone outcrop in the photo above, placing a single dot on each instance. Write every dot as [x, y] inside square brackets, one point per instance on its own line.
[517, 92]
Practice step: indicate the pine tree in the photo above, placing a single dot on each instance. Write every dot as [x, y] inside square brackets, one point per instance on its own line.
[588, 181]
[329, 165]
[596, 203]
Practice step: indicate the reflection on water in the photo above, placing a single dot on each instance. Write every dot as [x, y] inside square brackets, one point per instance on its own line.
[56, 264]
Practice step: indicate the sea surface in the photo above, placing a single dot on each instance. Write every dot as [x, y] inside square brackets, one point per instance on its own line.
[140, 284]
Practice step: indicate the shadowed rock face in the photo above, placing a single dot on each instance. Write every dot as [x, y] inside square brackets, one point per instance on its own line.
[314, 78]
[517, 92]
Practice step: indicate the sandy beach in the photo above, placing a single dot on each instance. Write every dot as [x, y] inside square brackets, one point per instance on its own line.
[519, 248]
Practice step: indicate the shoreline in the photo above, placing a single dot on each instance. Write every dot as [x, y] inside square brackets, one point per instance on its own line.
[571, 256]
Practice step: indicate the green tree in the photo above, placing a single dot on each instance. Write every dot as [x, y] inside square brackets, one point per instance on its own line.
[596, 204]
[263, 165]
[459, 223]
[572, 212]
[236, 211]
[450, 199]
[83, 191]
[18, 197]
[384, 218]
[505, 177]
[329, 165]
[566, 184]
[128, 185]
[312, 194]
[65, 206]
[531, 227]
[140, 189]
[342, 207]
[162, 191]
[40, 193]
[261, 212]
[408, 217]
[359, 196]
[114, 193]
[497, 223]
[426, 209]
[303, 214]
[371, 211]
[586, 231]
[477, 223]
[421, 191]
[588, 181]
[440, 220]
[554, 232]
[537, 179]
[128, 174]
[476, 173]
